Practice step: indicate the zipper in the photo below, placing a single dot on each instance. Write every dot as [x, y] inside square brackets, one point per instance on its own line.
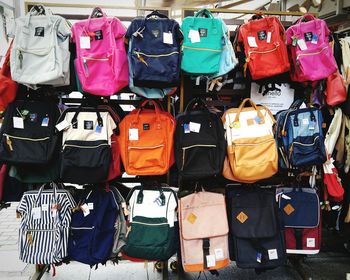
[140, 54]
[201, 49]
[40, 230]
[190, 147]
[262, 52]
[254, 144]
[20, 57]
[146, 147]
[24, 138]
[302, 144]
[21, 51]
[83, 227]
[309, 54]
[84, 147]
[146, 224]
[85, 59]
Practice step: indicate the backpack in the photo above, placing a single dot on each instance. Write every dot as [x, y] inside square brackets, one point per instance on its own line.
[28, 132]
[299, 136]
[204, 244]
[40, 53]
[311, 55]
[154, 54]
[86, 155]
[8, 87]
[44, 228]
[200, 146]
[93, 227]
[251, 150]
[302, 232]
[146, 140]
[202, 45]
[152, 226]
[256, 232]
[101, 62]
[264, 47]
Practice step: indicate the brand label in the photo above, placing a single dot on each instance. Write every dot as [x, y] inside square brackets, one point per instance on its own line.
[262, 35]
[98, 35]
[89, 125]
[308, 36]
[242, 217]
[39, 31]
[33, 117]
[203, 32]
[146, 126]
[156, 33]
[272, 254]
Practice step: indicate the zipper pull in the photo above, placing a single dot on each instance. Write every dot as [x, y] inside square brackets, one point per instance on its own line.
[143, 60]
[86, 67]
[30, 238]
[20, 57]
[128, 231]
[9, 143]
[291, 151]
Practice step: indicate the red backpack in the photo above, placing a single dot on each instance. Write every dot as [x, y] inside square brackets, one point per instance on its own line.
[264, 46]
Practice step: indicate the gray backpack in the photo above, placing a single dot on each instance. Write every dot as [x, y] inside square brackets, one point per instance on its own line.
[40, 52]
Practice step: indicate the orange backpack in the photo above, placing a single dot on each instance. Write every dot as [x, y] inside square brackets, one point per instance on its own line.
[146, 140]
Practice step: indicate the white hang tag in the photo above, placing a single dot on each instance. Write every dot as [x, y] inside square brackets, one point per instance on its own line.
[195, 127]
[302, 45]
[272, 254]
[85, 209]
[85, 42]
[252, 42]
[305, 121]
[198, 80]
[168, 38]
[211, 261]
[18, 122]
[219, 254]
[268, 39]
[133, 134]
[310, 242]
[90, 205]
[62, 125]
[45, 207]
[36, 213]
[194, 36]
[286, 197]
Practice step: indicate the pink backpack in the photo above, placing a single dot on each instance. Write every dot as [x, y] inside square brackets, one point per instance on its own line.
[101, 62]
[311, 54]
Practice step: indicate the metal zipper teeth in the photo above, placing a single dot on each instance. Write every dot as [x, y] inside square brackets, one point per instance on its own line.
[201, 49]
[192, 146]
[39, 230]
[262, 52]
[146, 224]
[84, 147]
[35, 53]
[154, 55]
[24, 138]
[145, 147]
[254, 144]
[307, 145]
[95, 58]
[83, 227]
[313, 53]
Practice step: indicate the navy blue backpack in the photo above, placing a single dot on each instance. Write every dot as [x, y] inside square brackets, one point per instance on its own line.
[92, 228]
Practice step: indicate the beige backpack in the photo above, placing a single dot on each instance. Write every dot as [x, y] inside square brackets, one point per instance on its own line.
[203, 232]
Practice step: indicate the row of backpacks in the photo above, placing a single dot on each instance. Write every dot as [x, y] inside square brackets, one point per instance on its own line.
[158, 49]
[84, 145]
[250, 227]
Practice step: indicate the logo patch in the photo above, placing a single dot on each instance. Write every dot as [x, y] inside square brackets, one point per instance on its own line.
[146, 126]
[308, 36]
[89, 125]
[288, 209]
[156, 33]
[39, 31]
[192, 218]
[262, 35]
[203, 32]
[98, 35]
[242, 217]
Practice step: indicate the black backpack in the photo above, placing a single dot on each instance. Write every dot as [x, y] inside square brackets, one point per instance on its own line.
[200, 145]
[28, 132]
[256, 235]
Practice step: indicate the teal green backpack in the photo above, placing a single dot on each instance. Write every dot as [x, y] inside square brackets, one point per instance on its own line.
[203, 43]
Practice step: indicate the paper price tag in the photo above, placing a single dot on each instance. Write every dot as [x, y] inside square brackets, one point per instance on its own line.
[211, 261]
[286, 197]
[187, 128]
[45, 122]
[310, 242]
[305, 121]
[18, 122]
[268, 39]
[45, 207]
[168, 38]
[272, 254]
[85, 209]
[85, 42]
[98, 129]
[194, 36]
[302, 45]
[133, 134]
[314, 39]
[62, 125]
[195, 127]
[90, 205]
[252, 42]
[36, 213]
[219, 254]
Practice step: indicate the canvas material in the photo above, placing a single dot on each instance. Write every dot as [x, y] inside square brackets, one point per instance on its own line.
[40, 56]
[336, 92]
[202, 57]
[152, 153]
[50, 233]
[197, 211]
[310, 240]
[269, 58]
[103, 68]
[317, 61]
[250, 141]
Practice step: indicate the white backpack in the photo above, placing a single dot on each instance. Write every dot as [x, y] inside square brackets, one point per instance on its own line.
[40, 52]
